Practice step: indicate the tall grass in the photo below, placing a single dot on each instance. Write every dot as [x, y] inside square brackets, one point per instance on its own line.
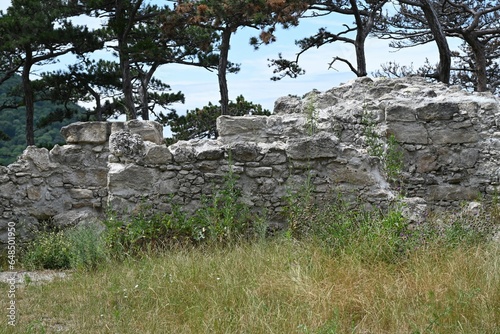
[337, 269]
[279, 286]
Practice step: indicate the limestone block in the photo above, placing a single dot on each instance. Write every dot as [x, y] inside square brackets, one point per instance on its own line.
[7, 189]
[86, 132]
[437, 111]
[426, 162]
[40, 158]
[148, 130]
[408, 133]
[445, 135]
[81, 193]
[243, 128]
[244, 152]
[96, 177]
[414, 209]
[167, 187]
[288, 105]
[182, 152]
[274, 158]
[156, 154]
[259, 171]
[323, 145]
[353, 175]
[268, 186]
[400, 111]
[34, 193]
[451, 192]
[129, 179]
[79, 217]
[207, 149]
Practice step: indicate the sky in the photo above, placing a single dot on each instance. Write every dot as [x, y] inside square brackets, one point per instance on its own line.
[253, 81]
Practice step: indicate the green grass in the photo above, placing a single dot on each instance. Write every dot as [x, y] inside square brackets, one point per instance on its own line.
[274, 286]
[336, 269]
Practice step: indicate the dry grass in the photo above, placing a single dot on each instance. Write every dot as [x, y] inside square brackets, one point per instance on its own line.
[280, 286]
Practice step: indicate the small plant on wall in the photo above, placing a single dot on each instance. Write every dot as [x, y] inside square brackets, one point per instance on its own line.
[393, 159]
[390, 152]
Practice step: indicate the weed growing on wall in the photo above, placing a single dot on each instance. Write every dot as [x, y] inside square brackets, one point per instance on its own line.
[390, 153]
[312, 115]
[222, 219]
[393, 159]
[374, 143]
[373, 235]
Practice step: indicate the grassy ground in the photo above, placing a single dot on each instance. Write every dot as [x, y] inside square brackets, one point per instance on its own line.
[336, 269]
[274, 286]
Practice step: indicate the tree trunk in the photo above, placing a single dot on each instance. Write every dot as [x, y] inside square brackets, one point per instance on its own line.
[145, 80]
[123, 31]
[222, 70]
[144, 99]
[360, 57]
[98, 105]
[127, 85]
[28, 98]
[479, 61]
[444, 67]
[359, 43]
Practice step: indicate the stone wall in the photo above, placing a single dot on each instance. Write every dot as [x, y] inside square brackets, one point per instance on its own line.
[449, 140]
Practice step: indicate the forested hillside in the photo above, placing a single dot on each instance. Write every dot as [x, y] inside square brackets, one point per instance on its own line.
[12, 123]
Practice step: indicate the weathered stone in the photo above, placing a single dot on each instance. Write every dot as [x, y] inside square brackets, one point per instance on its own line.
[241, 128]
[288, 105]
[208, 150]
[443, 136]
[259, 171]
[408, 133]
[81, 193]
[182, 152]
[437, 111]
[426, 162]
[156, 154]
[449, 140]
[80, 217]
[399, 113]
[448, 192]
[319, 146]
[86, 132]
[167, 187]
[414, 209]
[130, 179]
[147, 130]
[40, 158]
[244, 152]
[34, 193]
[123, 144]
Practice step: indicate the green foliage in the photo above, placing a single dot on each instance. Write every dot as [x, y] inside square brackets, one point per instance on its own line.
[50, 250]
[345, 227]
[390, 153]
[12, 123]
[222, 219]
[312, 115]
[393, 158]
[201, 123]
[87, 247]
[372, 138]
[76, 248]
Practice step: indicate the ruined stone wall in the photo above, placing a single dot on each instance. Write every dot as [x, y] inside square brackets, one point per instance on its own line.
[338, 140]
